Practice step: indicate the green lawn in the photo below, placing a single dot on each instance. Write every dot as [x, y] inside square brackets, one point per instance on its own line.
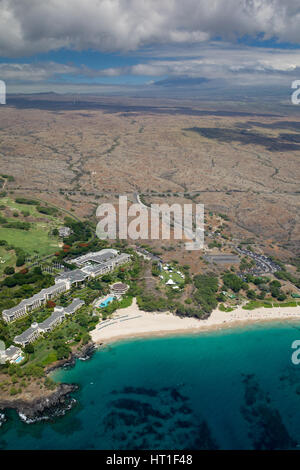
[172, 275]
[68, 330]
[8, 257]
[44, 353]
[6, 201]
[34, 241]
[268, 304]
[252, 304]
[17, 327]
[225, 309]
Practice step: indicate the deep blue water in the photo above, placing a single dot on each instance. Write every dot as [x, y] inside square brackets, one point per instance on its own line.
[235, 389]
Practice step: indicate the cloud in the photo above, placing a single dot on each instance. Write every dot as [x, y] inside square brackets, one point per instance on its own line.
[34, 72]
[223, 62]
[181, 81]
[218, 61]
[31, 26]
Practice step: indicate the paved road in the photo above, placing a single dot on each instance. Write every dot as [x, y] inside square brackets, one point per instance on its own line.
[177, 222]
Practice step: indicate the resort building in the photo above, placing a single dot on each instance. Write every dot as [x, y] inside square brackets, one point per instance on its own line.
[28, 336]
[98, 257]
[93, 264]
[55, 319]
[74, 305]
[37, 300]
[149, 256]
[120, 259]
[222, 258]
[94, 270]
[12, 355]
[58, 315]
[119, 289]
[64, 232]
[75, 277]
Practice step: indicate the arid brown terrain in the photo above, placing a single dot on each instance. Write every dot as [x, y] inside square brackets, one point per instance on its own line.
[77, 154]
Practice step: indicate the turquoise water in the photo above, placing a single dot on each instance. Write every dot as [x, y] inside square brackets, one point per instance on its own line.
[106, 302]
[235, 389]
[20, 359]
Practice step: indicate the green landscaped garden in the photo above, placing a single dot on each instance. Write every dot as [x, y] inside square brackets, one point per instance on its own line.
[268, 304]
[13, 205]
[38, 240]
[17, 327]
[223, 308]
[34, 241]
[167, 275]
[7, 258]
[55, 345]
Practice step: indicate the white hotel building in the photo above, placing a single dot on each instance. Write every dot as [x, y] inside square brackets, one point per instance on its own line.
[36, 329]
[91, 265]
[11, 354]
[37, 300]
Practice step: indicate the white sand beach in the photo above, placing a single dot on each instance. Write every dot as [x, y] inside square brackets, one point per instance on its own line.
[132, 322]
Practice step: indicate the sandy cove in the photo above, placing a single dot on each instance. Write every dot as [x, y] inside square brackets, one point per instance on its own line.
[131, 322]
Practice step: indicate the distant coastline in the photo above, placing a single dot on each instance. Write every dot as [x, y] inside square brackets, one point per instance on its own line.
[132, 322]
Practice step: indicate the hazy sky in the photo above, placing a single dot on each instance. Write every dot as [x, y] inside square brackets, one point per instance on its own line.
[123, 45]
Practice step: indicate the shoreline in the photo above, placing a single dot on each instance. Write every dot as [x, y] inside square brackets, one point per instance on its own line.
[48, 403]
[40, 407]
[130, 322]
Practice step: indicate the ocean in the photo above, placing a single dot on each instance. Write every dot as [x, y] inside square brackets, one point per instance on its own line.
[230, 389]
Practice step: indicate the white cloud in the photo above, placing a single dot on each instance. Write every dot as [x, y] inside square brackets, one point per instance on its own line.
[31, 26]
[235, 64]
[34, 72]
[218, 62]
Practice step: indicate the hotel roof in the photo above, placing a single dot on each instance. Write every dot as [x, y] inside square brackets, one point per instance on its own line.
[26, 335]
[96, 257]
[119, 285]
[100, 258]
[50, 320]
[76, 304]
[77, 275]
[52, 289]
[90, 268]
[39, 296]
[60, 312]
[11, 351]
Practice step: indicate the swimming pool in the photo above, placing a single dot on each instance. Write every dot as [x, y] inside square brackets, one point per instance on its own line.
[19, 359]
[106, 302]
